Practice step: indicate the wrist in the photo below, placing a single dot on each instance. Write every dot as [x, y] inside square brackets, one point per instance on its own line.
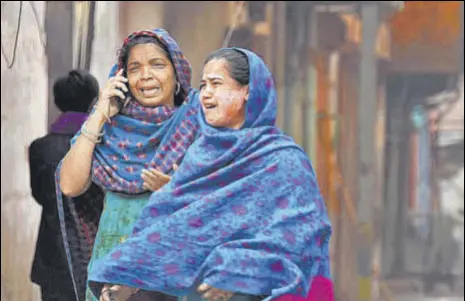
[93, 136]
[99, 117]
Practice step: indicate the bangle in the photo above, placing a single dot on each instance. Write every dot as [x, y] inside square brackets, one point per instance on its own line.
[84, 129]
[96, 138]
[103, 113]
[91, 138]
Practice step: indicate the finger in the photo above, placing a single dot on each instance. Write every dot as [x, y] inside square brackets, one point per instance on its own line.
[114, 294]
[120, 79]
[217, 294]
[150, 178]
[121, 86]
[222, 296]
[118, 74]
[117, 84]
[150, 187]
[104, 293]
[203, 288]
[150, 181]
[105, 287]
[155, 175]
[214, 295]
[116, 93]
[115, 81]
[122, 292]
[208, 296]
[159, 174]
[105, 296]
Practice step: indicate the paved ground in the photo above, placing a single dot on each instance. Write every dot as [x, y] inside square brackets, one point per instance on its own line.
[411, 290]
[423, 298]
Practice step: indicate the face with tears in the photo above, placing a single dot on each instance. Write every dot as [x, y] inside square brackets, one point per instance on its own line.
[222, 97]
[151, 76]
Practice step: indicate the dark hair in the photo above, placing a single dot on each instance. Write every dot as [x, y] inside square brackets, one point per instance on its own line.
[237, 62]
[75, 91]
[124, 52]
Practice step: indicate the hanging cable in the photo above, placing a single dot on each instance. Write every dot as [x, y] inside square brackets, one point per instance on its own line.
[85, 34]
[39, 26]
[231, 30]
[18, 27]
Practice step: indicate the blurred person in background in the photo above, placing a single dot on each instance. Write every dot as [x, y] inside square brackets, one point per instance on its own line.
[73, 95]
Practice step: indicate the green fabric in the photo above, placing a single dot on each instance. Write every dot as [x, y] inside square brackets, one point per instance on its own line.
[116, 224]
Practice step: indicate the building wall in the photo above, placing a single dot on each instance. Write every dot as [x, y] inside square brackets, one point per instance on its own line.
[199, 27]
[431, 43]
[59, 29]
[106, 39]
[139, 15]
[23, 118]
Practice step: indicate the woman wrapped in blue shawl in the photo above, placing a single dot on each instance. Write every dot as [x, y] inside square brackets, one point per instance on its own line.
[243, 212]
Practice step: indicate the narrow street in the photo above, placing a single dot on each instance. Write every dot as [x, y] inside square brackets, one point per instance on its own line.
[423, 298]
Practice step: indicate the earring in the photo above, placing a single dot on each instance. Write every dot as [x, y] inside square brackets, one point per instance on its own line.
[178, 88]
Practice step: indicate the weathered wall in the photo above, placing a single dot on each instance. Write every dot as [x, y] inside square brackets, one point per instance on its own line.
[140, 15]
[430, 44]
[113, 22]
[199, 28]
[59, 29]
[106, 39]
[23, 118]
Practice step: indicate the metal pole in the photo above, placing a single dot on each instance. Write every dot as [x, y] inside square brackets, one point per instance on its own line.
[290, 68]
[367, 108]
[279, 57]
[310, 124]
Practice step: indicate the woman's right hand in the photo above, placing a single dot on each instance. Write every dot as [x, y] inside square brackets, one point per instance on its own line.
[113, 95]
[75, 174]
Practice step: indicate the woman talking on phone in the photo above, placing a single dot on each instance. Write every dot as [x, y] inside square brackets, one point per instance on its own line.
[138, 132]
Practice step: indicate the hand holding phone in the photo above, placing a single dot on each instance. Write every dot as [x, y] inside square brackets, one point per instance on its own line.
[113, 95]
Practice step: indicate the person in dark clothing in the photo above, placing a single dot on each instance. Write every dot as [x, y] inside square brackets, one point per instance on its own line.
[73, 94]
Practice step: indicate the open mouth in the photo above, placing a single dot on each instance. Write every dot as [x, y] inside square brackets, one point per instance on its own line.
[150, 92]
[209, 106]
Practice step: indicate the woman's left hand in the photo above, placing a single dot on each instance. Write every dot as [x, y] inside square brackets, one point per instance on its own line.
[154, 179]
[214, 294]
